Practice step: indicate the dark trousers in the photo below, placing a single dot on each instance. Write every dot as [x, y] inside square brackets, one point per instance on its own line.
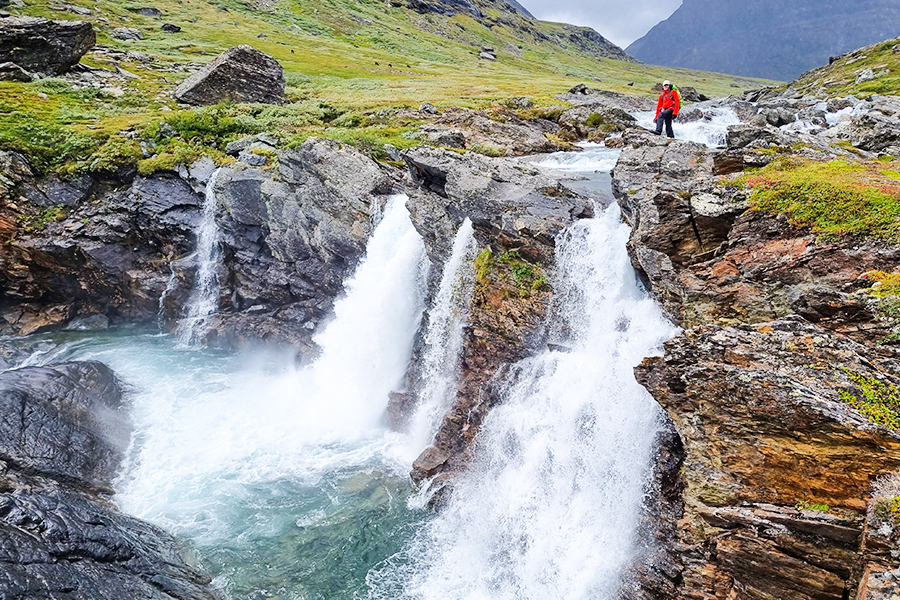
[665, 117]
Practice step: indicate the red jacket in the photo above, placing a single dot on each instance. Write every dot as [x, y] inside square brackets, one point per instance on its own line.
[668, 99]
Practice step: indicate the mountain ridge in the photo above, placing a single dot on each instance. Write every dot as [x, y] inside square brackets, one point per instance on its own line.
[774, 39]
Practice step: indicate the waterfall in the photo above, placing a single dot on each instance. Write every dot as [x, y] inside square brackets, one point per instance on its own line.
[444, 337]
[265, 465]
[550, 506]
[204, 299]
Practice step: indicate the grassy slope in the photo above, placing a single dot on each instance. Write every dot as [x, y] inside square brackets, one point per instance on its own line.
[340, 57]
[839, 78]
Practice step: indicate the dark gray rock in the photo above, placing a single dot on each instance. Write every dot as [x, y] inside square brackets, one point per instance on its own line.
[290, 237]
[64, 422]
[10, 71]
[63, 430]
[102, 257]
[149, 11]
[499, 195]
[44, 46]
[169, 28]
[126, 34]
[240, 74]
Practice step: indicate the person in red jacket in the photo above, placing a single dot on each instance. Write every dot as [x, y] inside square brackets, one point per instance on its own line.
[667, 109]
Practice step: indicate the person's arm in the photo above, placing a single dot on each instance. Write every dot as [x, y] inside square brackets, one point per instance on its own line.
[658, 106]
[675, 106]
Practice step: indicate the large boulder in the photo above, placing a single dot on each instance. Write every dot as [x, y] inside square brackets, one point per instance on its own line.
[63, 432]
[44, 46]
[240, 74]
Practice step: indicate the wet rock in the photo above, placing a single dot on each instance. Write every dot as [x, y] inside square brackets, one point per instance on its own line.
[62, 436]
[240, 74]
[290, 237]
[44, 46]
[126, 34]
[760, 412]
[72, 428]
[100, 256]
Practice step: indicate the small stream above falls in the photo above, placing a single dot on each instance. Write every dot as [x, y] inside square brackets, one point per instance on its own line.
[289, 484]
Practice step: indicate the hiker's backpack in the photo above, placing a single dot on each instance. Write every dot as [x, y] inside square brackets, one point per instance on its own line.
[674, 88]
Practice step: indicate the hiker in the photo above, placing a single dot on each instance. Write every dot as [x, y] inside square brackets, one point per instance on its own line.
[667, 108]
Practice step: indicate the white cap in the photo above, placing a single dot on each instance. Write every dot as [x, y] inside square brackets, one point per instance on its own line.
[667, 82]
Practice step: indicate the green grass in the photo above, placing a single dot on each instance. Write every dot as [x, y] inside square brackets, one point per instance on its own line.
[834, 198]
[878, 401]
[341, 59]
[839, 78]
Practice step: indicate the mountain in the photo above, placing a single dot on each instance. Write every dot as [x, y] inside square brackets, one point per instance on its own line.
[775, 39]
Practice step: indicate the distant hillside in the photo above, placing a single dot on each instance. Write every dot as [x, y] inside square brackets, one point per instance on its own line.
[775, 39]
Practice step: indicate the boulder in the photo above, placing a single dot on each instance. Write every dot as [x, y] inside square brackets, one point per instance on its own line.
[71, 428]
[44, 46]
[126, 34]
[169, 28]
[777, 463]
[10, 71]
[240, 74]
[506, 134]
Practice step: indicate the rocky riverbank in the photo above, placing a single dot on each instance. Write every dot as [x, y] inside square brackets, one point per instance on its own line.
[780, 389]
[63, 432]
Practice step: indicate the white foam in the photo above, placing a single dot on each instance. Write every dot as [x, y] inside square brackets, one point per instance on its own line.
[709, 131]
[593, 158]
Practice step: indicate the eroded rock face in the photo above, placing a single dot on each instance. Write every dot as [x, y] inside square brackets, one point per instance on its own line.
[240, 74]
[63, 431]
[44, 46]
[516, 211]
[290, 237]
[759, 411]
[708, 259]
[103, 253]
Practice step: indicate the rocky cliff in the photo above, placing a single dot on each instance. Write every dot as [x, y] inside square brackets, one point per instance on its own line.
[781, 388]
[775, 39]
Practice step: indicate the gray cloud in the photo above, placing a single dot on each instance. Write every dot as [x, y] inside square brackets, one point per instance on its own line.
[620, 25]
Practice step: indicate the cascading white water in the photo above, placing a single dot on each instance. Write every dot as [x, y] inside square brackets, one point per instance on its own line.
[593, 157]
[550, 506]
[709, 131]
[204, 299]
[444, 337]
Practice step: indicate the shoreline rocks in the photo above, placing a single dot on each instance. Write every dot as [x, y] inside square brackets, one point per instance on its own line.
[64, 431]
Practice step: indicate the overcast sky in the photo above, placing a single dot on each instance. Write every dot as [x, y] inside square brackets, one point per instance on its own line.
[621, 22]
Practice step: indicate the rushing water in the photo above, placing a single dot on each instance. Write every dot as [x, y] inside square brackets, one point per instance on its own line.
[204, 299]
[444, 337]
[289, 485]
[709, 131]
[550, 507]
